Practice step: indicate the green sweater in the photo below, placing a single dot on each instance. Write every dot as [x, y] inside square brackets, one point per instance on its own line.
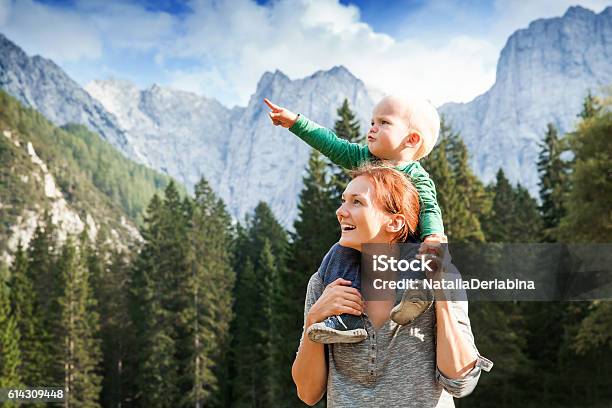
[352, 155]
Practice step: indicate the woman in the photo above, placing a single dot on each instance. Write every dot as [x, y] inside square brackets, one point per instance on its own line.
[420, 364]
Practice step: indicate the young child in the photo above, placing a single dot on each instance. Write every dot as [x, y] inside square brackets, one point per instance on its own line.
[402, 131]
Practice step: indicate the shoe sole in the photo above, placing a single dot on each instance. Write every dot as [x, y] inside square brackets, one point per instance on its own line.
[408, 310]
[325, 335]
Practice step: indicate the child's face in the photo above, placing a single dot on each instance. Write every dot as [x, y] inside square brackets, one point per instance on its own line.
[361, 218]
[389, 130]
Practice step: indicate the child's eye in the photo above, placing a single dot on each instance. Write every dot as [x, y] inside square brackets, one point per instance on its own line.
[356, 201]
[372, 123]
[384, 122]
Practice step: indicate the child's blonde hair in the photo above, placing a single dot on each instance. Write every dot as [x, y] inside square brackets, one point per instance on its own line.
[422, 116]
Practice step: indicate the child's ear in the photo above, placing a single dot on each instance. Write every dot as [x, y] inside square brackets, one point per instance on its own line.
[413, 139]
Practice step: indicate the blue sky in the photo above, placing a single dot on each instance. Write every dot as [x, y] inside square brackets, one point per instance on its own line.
[445, 50]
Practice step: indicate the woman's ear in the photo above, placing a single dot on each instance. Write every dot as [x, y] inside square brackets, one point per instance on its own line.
[396, 223]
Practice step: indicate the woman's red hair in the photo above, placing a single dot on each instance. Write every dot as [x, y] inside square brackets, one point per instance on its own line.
[395, 194]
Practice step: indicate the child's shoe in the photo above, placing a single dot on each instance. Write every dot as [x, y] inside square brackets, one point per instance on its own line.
[345, 328]
[414, 302]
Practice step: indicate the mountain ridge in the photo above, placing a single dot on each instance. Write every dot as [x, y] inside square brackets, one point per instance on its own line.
[543, 74]
[40, 83]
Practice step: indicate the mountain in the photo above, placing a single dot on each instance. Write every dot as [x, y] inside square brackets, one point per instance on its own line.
[79, 179]
[543, 75]
[179, 133]
[243, 156]
[40, 84]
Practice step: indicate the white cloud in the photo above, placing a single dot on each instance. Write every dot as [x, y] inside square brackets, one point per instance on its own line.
[128, 26]
[82, 32]
[58, 34]
[5, 10]
[242, 40]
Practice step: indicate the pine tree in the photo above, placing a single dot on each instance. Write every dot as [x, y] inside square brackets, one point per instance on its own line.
[109, 273]
[595, 331]
[346, 127]
[470, 201]
[264, 226]
[266, 334]
[23, 302]
[244, 392]
[264, 245]
[497, 328]
[461, 196]
[439, 169]
[42, 255]
[553, 182]
[10, 356]
[587, 217]
[153, 341]
[499, 223]
[514, 214]
[243, 266]
[208, 313]
[591, 106]
[160, 277]
[223, 284]
[48, 286]
[527, 224]
[79, 326]
[256, 330]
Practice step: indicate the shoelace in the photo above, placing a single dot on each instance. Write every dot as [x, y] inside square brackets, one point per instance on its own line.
[340, 319]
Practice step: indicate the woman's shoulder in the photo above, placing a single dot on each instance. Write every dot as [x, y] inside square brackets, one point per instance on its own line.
[315, 280]
[313, 290]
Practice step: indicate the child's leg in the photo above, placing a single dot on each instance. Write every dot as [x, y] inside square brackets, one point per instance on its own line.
[341, 262]
[345, 263]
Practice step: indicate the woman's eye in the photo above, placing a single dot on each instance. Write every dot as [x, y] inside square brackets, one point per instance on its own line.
[384, 122]
[371, 123]
[356, 202]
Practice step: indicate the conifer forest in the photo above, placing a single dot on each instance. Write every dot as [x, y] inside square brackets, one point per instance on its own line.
[207, 311]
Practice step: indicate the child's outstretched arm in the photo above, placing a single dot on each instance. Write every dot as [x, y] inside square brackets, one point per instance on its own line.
[340, 151]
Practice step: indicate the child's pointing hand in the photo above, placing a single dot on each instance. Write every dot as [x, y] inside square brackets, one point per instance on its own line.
[281, 116]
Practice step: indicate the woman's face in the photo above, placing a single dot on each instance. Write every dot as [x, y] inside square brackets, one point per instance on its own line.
[361, 219]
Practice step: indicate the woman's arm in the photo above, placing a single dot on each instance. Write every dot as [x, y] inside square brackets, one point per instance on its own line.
[466, 373]
[455, 354]
[309, 369]
[458, 363]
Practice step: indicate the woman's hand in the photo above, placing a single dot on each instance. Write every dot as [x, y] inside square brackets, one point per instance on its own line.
[337, 298]
[281, 116]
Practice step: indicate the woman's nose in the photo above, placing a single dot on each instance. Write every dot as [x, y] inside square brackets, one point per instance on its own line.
[341, 211]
